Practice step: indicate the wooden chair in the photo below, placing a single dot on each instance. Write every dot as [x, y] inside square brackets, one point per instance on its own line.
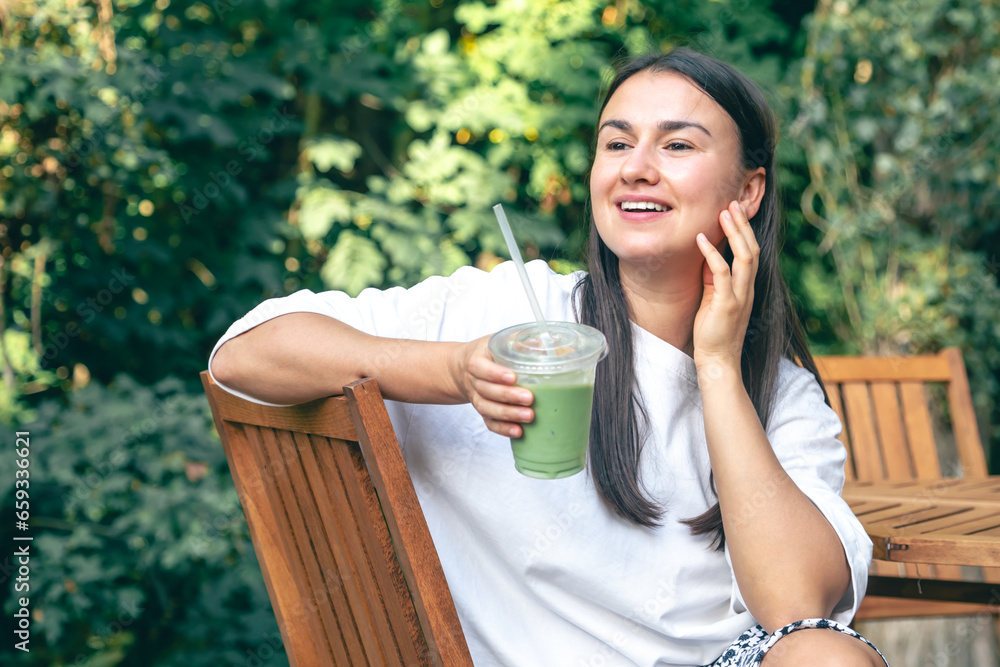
[889, 435]
[347, 558]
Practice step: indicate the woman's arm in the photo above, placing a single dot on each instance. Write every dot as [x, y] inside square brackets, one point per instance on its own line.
[299, 357]
[302, 356]
[788, 560]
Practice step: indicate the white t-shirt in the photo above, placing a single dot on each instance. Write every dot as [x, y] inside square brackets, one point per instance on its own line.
[542, 573]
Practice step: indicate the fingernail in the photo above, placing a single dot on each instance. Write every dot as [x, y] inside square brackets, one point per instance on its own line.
[513, 431]
[525, 415]
[525, 397]
[509, 377]
[727, 215]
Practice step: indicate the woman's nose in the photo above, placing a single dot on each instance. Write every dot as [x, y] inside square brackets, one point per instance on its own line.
[639, 166]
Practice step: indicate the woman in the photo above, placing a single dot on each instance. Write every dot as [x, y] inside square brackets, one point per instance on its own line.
[710, 524]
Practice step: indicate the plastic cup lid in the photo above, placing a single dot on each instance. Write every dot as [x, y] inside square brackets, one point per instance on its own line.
[570, 347]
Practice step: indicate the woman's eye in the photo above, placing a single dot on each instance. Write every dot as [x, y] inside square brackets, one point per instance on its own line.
[616, 146]
[677, 146]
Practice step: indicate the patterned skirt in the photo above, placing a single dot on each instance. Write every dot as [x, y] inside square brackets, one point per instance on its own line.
[749, 649]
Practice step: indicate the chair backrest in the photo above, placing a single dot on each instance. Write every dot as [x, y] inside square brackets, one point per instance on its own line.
[347, 558]
[888, 429]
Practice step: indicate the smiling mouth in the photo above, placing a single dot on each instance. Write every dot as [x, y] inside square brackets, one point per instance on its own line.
[642, 206]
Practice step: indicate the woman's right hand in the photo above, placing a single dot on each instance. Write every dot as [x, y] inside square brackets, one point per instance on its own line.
[490, 388]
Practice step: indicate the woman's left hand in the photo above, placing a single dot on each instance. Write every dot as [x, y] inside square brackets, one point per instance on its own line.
[721, 321]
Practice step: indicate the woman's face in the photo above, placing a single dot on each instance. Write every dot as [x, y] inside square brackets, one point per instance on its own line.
[667, 164]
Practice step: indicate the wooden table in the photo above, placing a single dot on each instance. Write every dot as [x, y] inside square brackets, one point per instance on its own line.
[941, 522]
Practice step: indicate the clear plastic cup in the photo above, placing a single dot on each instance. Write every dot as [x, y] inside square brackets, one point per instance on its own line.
[559, 370]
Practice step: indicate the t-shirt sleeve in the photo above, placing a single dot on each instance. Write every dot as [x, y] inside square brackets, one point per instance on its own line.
[464, 306]
[803, 432]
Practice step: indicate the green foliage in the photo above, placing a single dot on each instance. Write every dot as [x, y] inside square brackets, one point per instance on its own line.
[141, 552]
[115, 155]
[353, 264]
[897, 115]
[17, 349]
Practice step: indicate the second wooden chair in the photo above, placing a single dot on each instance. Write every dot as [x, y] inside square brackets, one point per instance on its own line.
[889, 431]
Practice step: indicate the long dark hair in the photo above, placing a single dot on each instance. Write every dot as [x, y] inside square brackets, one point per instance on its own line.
[774, 332]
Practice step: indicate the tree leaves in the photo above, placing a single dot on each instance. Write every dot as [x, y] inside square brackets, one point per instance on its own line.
[129, 537]
[354, 263]
[903, 184]
[332, 153]
[321, 208]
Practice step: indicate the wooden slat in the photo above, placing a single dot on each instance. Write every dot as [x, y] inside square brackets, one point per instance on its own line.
[878, 607]
[891, 435]
[909, 516]
[864, 505]
[863, 496]
[861, 424]
[886, 569]
[356, 573]
[875, 507]
[963, 417]
[302, 613]
[919, 368]
[919, 430]
[954, 550]
[981, 489]
[986, 497]
[367, 547]
[417, 556]
[303, 647]
[981, 525]
[341, 645]
[947, 572]
[406, 624]
[323, 531]
[919, 571]
[359, 577]
[275, 564]
[956, 521]
[325, 417]
[833, 394]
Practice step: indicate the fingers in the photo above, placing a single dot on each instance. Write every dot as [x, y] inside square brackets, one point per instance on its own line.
[502, 405]
[746, 252]
[727, 300]
[503, 408]
[721, 278]
[744, 247]
[743, 222]
[482, 367]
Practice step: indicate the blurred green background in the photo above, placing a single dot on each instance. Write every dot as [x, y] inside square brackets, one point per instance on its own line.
[167, 165]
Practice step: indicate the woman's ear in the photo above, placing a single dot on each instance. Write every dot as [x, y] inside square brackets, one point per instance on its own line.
[753, 191]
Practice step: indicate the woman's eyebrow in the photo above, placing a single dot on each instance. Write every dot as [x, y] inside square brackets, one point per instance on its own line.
[662, 126]
[673, 125]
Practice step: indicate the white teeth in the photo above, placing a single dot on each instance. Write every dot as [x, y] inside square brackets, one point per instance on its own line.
[641, 206]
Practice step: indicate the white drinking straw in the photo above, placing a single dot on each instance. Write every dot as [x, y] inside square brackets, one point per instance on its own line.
[515, 255]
